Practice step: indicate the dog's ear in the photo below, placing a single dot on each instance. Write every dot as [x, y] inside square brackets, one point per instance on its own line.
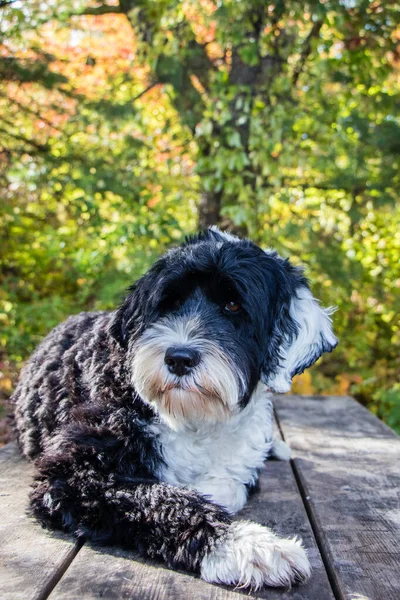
[124, 317]
[302, 332]
[139, 306]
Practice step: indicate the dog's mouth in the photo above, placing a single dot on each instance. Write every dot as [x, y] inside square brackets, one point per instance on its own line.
[189, 400]
[188, 387]
[166, 387]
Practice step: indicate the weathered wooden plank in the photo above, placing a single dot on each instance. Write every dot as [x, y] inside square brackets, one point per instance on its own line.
[114, 574]
[278, 504]
[31, 560]
[348, 466]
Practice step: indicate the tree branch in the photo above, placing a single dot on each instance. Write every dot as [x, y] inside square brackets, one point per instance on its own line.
[305, 53]
[143, 92]
[356, 189]
[31, 112]
[105, 9]
[192, 59]
[39, 147]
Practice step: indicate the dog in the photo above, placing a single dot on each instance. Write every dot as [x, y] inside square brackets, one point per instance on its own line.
[149, 424]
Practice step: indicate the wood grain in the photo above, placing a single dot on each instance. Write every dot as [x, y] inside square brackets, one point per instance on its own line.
[348, 466]
[31, 560]
[114, 574]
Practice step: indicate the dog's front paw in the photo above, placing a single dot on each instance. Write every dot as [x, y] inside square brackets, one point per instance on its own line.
[280, 450]
[252, 556]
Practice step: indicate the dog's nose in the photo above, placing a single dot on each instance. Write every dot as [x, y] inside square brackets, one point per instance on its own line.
[180, 361]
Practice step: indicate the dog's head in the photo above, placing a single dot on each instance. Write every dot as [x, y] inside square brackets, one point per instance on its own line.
[211, 319]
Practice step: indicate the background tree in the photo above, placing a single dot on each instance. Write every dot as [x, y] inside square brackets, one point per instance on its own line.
[248, 77]
[124, 124]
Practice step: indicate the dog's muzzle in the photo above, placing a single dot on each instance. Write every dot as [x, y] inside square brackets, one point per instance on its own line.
[184, 375]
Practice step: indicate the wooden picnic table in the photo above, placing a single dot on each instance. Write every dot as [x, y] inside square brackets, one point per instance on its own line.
[340, 493]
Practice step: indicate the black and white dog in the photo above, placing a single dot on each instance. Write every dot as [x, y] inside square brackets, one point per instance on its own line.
[149, 424]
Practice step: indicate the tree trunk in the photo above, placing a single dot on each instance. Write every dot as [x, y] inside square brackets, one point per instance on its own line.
[209, 209]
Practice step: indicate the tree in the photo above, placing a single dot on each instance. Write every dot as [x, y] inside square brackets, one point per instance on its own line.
[248, 77]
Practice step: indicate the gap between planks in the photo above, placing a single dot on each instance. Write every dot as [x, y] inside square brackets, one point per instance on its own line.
[347, 467]
[31, 560]
[58, 574]
[310, 514]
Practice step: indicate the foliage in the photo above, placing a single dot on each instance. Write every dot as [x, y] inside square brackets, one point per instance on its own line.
[98, 193]
[125, 122]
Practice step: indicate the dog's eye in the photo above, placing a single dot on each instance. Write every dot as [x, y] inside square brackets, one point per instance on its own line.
[232, 306]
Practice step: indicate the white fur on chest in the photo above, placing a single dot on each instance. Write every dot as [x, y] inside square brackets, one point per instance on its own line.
[220, 459]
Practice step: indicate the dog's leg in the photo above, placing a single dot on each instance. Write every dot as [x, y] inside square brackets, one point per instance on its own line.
[74, 491]
[177, 525]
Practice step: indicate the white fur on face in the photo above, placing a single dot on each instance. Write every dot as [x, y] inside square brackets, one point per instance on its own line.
[253, 556]
[314, 323]
[210, 392]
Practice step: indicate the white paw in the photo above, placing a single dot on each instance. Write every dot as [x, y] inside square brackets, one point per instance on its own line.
[280, 450]
[253, 556]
